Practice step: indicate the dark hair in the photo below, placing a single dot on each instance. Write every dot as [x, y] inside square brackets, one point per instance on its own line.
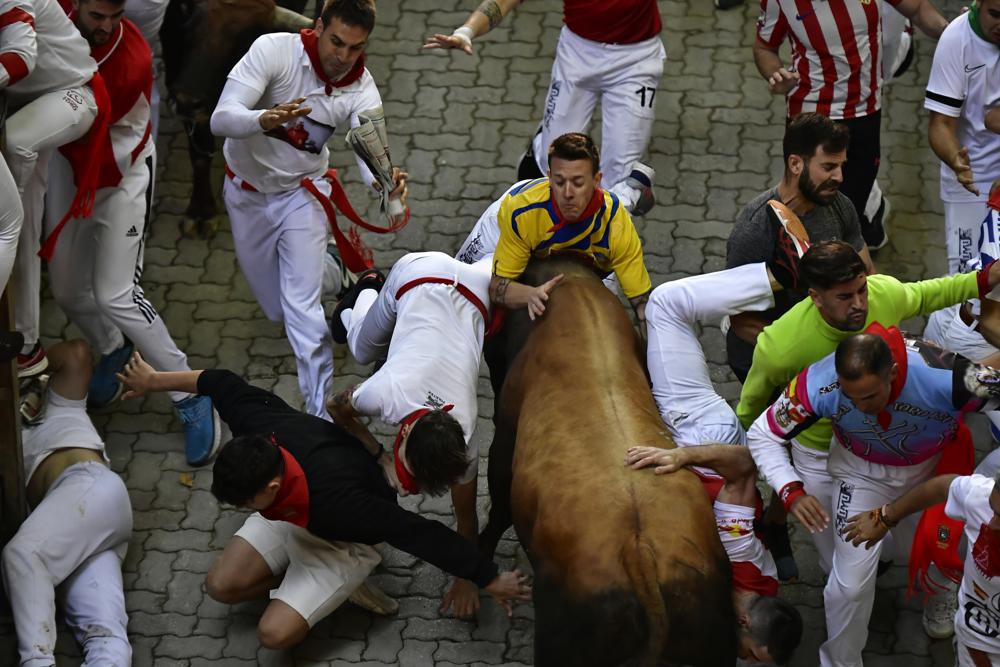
[830, 263]
[243, 468]
[360, 13]
[116, 3]
[436, 452]
[861, 355]
[808, 130]
[575, 146]
[776, 624]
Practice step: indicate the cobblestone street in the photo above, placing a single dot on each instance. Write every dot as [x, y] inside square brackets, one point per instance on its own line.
[458, 124]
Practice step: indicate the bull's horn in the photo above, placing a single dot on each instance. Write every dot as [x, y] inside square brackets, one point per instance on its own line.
[286, 19]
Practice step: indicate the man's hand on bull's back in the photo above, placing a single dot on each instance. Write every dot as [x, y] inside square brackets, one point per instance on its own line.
[280, 114]
[810, 512]
[665, 460]
[509, 587]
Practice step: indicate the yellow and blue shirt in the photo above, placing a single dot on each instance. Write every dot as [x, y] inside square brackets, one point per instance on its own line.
[530, 225]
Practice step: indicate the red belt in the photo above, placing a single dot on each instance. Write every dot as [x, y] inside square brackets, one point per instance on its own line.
[462, 289]
[231, 175]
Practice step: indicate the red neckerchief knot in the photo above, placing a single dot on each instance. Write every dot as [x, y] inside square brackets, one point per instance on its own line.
[595, 204]
[292, 502]
[897, 346]
[408, 481]
[310, 39]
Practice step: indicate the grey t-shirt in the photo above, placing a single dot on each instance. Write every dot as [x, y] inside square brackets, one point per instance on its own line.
[753, 240]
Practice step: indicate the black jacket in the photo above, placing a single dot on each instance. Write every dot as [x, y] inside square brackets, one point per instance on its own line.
[349, 499]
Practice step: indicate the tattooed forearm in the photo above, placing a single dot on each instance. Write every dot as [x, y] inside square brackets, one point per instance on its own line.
[491, 10]
[639, 306]
[498, 290]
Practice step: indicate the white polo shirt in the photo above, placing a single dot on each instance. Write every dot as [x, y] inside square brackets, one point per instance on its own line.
[965, 78]
[977, 621]
[436, 346]
[278, 67]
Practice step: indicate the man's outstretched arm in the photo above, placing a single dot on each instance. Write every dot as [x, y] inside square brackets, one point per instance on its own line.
[512, 294]
[486, 16]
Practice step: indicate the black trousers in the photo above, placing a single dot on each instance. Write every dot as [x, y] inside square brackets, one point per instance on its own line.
[863, 156]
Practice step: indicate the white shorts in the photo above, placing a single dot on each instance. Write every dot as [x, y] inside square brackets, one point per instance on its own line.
[319, 575]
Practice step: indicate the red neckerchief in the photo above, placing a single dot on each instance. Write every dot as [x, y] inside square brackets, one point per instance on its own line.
[292, 502]
[986, 552]
[309, 41]
[408, 481]
[994, 200]
[897, 347]
[595, 204]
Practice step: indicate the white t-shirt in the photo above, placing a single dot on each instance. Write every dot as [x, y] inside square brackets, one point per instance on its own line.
[278, 67]
[977, 621]
[38, 36]
[436, 346]
[65, 424]
[965, 78]
[735, 524]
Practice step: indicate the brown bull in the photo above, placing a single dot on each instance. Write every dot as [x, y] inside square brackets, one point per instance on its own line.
[628, 567]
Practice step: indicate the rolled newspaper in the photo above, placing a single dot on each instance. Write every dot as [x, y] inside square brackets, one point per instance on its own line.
[370, 142]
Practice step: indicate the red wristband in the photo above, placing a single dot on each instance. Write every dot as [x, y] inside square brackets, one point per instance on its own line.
[790, 493]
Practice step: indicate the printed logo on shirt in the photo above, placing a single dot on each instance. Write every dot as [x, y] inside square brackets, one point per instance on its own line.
[433, 401]
[970, 70]
[132, 232]
[303, 133]
[803, 16]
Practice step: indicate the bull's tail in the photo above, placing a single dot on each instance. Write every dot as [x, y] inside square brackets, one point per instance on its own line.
[639, 560]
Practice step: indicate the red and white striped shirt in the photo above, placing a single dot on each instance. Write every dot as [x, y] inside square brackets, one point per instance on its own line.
[836, 51]
[40, 50]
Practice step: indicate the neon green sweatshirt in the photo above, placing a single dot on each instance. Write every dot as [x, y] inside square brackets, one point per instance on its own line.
[801, 337]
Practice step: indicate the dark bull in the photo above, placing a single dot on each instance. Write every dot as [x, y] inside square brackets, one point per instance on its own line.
[629, 569]
[202, 41]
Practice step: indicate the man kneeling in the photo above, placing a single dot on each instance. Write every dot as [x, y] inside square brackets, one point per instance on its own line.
[321, 501]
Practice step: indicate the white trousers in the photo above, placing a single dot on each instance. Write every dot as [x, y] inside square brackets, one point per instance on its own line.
[97, 264]
[623, 78]
[962, 221]
[280, 242]
[850, 589]
[11, 217]
[682, 387]
[485, 235]
[34, 132]
[75, 539]
[811, 464]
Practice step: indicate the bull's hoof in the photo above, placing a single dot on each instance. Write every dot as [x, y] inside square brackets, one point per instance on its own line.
[204, 228]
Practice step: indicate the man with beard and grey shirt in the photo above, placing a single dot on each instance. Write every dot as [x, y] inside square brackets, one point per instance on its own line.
[815, 150]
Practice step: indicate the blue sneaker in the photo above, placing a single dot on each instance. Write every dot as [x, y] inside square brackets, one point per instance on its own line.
[105, 388]
[202, 430]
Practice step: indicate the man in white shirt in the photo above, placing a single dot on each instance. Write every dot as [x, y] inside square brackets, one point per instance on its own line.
[281, 104]
[964, 81]
[427, 322]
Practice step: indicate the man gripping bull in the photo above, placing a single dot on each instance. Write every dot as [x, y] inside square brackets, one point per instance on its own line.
[280, 105]
[568, 212]
[427, 322]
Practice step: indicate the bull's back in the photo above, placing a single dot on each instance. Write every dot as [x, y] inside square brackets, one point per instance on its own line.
[628, 565]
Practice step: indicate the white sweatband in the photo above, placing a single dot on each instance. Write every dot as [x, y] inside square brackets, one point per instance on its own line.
[465, 34]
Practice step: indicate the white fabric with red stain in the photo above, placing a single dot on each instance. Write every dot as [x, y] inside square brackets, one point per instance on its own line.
[836, 51]
[758, 572]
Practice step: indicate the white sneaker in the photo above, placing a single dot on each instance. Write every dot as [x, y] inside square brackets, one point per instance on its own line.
[371, 598]
[939, 613]
[641, 178]
[337, 278]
